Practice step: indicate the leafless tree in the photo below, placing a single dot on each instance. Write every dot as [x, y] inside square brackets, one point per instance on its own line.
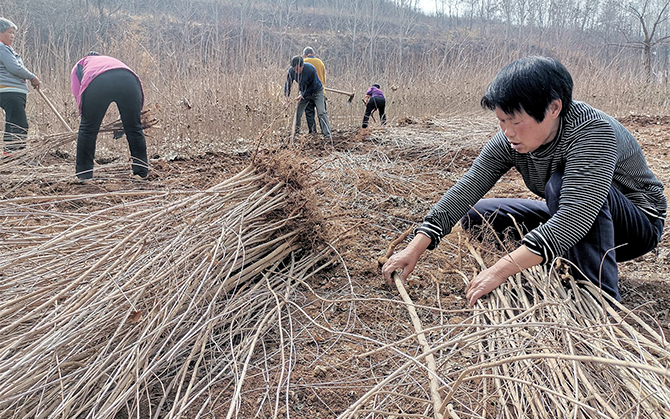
[651, 17]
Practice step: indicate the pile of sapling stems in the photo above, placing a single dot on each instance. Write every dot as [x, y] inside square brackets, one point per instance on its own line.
[541, 345]
[145, 305]
[27, 164]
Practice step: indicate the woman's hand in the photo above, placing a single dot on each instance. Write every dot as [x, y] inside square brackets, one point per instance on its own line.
[493, 277]
[406, 259]
[485, 282]
[35, 82]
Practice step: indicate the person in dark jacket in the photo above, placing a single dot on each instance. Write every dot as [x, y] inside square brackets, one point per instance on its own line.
[311, 90]
[374, 101]
[96, 82]
[602, 204]
[13, 89]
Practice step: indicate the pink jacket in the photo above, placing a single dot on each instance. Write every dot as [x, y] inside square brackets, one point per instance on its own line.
[91, 67]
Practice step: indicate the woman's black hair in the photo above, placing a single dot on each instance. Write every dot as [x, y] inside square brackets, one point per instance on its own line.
[530, 84]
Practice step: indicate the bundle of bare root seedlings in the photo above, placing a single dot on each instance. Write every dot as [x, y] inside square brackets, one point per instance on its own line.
[540, 346]
[140, 308]
[37, 148]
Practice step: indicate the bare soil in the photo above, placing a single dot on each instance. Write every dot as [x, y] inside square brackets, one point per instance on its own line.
[369, 186]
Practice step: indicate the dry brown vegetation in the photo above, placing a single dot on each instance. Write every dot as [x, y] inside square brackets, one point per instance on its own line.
[121, 283]
[241, 280]
[228, 60]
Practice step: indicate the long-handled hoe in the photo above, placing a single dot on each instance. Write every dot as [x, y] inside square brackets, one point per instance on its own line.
[342, 92]
[53, 108]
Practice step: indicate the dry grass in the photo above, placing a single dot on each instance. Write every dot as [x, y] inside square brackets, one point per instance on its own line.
[205, 105]
[180, 302]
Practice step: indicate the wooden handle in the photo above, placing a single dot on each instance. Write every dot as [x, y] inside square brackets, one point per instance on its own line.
[53, 108]
[338, 91]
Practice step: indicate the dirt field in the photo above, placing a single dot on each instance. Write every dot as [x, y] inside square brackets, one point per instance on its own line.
[370, 186]
[374, 186]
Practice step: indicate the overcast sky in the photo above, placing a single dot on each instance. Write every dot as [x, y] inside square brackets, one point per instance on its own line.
[428, 6]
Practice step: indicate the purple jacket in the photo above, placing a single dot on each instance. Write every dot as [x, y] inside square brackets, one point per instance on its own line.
[374, 92]
[90, 67]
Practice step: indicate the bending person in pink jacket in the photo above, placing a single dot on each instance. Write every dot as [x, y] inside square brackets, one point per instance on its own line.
[97, 81]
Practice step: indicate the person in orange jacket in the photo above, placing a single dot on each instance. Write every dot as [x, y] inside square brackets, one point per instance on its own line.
[310, 110]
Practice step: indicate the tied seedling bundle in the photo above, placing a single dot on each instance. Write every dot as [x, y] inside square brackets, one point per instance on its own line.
[143, 305]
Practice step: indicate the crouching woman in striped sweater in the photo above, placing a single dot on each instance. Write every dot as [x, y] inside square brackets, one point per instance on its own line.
[601, 202]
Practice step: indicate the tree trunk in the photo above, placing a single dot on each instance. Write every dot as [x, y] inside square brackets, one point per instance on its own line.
[646, 56]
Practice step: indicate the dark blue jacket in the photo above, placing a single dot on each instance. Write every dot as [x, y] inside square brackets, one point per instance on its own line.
[308, 81]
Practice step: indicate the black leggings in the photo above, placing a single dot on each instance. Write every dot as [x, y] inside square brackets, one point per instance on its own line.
[378, 103]
[120, 86]
[16, 122]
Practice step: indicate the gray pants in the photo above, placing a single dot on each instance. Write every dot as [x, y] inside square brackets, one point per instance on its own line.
[320, 103]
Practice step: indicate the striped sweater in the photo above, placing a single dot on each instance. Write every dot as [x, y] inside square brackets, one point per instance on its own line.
[592, 149]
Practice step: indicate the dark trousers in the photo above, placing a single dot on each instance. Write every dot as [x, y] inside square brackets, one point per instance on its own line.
[378, 103]
[16, 122]
[619, 223]
[122, 87]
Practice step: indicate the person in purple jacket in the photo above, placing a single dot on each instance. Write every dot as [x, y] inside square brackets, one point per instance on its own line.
[97, 81]
[374, 100]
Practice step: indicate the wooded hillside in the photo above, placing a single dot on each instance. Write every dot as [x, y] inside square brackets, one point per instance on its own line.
[236, 52]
